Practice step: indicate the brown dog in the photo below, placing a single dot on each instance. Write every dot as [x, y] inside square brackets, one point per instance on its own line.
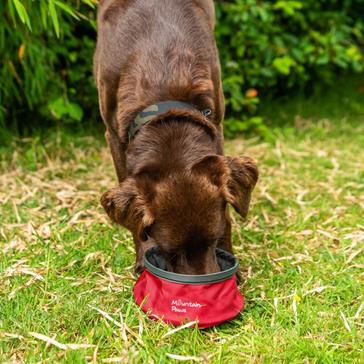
[175, 182]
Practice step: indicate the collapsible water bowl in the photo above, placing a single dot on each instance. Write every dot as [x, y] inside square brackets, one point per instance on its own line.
[208, 299]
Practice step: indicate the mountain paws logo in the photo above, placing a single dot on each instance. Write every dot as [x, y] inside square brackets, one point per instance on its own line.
[181, 306]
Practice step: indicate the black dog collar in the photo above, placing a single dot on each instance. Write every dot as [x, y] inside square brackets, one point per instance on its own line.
[157, 109]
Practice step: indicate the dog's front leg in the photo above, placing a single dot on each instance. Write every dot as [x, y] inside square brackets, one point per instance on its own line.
[118, 154]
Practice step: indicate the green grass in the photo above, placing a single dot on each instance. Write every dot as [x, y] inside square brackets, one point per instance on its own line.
[301, 253]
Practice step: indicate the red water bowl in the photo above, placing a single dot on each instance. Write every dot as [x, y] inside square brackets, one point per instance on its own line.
[208, 299]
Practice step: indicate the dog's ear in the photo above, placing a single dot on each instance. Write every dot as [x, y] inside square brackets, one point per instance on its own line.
[243, 176]
[235, 177]
[208, 7]
[213, 167]
[126, 205]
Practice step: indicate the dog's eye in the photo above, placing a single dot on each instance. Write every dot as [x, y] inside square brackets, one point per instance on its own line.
[206, 112]
[145, 234]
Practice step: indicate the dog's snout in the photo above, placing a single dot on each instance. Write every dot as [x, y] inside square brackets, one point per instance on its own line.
[183, 264]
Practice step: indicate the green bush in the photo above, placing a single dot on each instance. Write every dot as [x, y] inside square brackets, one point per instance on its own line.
[277, 47]
[46, 52]
[267, 48]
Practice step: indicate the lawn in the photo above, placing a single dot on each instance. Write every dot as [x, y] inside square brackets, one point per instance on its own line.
[66, 273]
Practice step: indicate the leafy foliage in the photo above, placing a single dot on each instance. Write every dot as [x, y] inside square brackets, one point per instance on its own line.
[45, 64]
[266, 48]
[277, 47]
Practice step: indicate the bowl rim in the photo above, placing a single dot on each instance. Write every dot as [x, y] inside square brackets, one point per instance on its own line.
[189, 278]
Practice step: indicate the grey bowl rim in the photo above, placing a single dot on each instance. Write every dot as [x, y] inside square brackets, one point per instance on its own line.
[189, 278]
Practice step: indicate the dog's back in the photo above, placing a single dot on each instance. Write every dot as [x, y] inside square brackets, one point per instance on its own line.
[152, 50]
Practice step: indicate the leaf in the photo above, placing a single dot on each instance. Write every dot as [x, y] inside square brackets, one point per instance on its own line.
[23, 15]
[323, 59]
[11, 10]
[288, 7]
[43, 13]
[58, 108]
[90, 3]
[21, 51]
[66, 8]
[75, 111]
[283, 64]
[54, 16]
[61, 107]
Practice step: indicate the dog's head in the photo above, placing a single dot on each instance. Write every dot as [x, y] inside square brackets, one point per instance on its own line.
[184, 213]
